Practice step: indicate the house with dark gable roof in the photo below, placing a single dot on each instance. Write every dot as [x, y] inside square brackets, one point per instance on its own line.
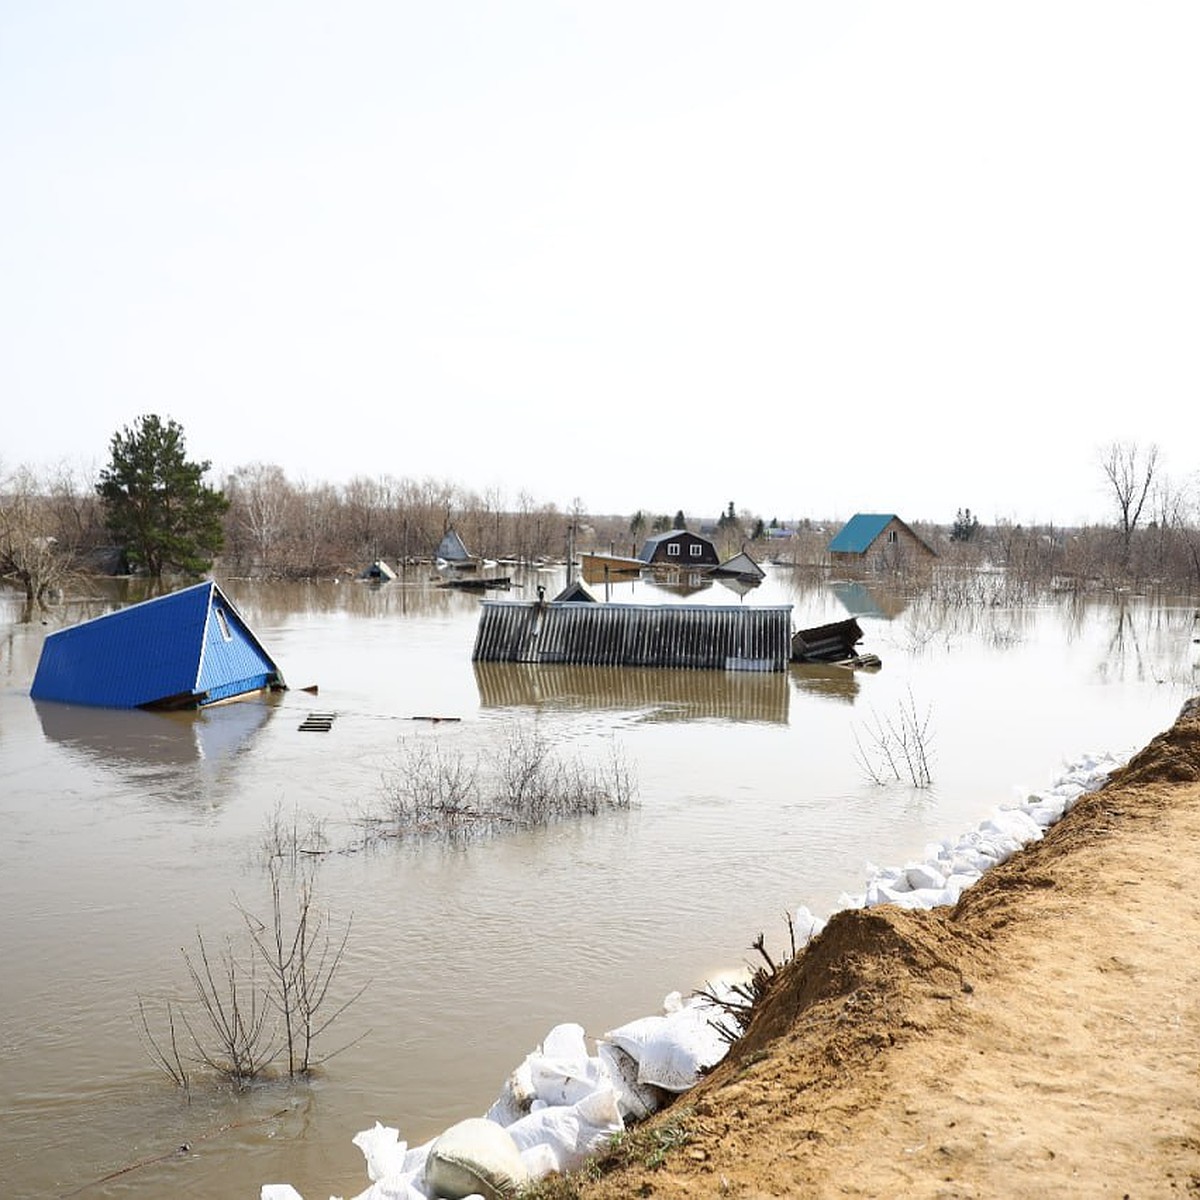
[679, 548]
[878, 542]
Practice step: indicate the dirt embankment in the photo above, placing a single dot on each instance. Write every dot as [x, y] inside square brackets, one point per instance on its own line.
[1040, 1039]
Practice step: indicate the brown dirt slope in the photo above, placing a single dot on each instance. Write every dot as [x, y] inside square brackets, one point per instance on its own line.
[1040, 1039]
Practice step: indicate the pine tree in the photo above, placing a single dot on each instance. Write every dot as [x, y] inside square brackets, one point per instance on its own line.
[156, 503]
[965, 525]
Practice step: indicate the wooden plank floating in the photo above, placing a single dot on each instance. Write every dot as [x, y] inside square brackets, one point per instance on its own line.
[317, 722]
[695, 636]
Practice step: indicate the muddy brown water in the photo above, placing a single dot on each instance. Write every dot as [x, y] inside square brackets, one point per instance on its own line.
[123, 834]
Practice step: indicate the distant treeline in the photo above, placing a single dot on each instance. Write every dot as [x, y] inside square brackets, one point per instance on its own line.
[276, 527]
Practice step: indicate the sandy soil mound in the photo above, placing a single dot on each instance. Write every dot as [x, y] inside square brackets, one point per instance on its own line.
[1040, 1039]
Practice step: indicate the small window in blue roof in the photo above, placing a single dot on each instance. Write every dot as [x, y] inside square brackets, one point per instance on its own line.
[223, 624]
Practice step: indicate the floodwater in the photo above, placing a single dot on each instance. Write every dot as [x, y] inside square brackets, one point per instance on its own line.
[124, 834]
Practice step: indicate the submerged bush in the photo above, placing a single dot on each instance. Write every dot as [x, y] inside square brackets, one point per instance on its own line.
[434, 790]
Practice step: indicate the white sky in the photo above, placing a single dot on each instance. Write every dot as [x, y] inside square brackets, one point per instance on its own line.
[814, 258]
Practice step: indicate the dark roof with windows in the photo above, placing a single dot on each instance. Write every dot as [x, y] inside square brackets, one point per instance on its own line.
[652, 543]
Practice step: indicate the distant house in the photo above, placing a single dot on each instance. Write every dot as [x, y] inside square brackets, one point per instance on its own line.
[378, 572]
[575, 593]
[743, 566]
[679, 548]
[878, 541]
[451, 549]
[183, 650]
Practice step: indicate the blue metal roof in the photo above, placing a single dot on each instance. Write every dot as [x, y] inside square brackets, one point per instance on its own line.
[190, 646]
[856, 536]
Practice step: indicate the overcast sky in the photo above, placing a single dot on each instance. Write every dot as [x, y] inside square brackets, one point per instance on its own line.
[813, 258]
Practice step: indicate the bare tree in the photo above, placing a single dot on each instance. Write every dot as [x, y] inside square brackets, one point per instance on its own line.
[259, 495]
[1130, 470]
[33, 549]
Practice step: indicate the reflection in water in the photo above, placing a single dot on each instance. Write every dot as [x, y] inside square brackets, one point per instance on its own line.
[678, 583]
[826, 680]
[667, 695]
[738, 583]
[859, 600]
[132, 737]
[413, 594]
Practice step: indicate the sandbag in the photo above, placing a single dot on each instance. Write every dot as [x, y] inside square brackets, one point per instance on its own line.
[474, 1156]
[570, 1133]
[674, 1050]
[383, 1150]
[563, 1073]
[634, 1099]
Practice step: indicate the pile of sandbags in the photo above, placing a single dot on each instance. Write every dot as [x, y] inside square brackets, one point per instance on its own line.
[951, 866]
[563, 1102]
[555, 1110]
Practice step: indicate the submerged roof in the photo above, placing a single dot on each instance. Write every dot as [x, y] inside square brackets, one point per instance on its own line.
[741, 564]
[575, 593]
[451, 548]
[378, 570]
[188, 647]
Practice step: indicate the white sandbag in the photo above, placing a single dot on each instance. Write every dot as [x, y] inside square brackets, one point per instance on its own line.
[916, 899]
[566, 1041]
[540, 1160]
[563, 1072]
[923, 875]
[395, 1187]
[1049, 810]
[938, 852]
[971, 860]
[571, 1133]
[1014, 823]
[879, 893]
[383, 1150]
[635, 1099]
[956, 884]
[278, 1191]
[474, 1156]
[806, 925]
[516, 1096]
[886, 875]
[672, 1051]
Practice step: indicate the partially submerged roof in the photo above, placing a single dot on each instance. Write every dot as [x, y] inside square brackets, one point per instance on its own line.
[856, 536]
[182, 650]
[575, 593]
[378, 570]
[451, 548]
[741, 564]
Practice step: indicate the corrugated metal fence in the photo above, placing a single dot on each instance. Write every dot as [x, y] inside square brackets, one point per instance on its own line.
[700, 636]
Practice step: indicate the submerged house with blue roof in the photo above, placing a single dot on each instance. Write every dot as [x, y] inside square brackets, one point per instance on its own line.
[878, 542]
[183, 650]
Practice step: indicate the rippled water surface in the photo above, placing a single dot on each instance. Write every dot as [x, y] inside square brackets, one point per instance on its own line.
[123, 834]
